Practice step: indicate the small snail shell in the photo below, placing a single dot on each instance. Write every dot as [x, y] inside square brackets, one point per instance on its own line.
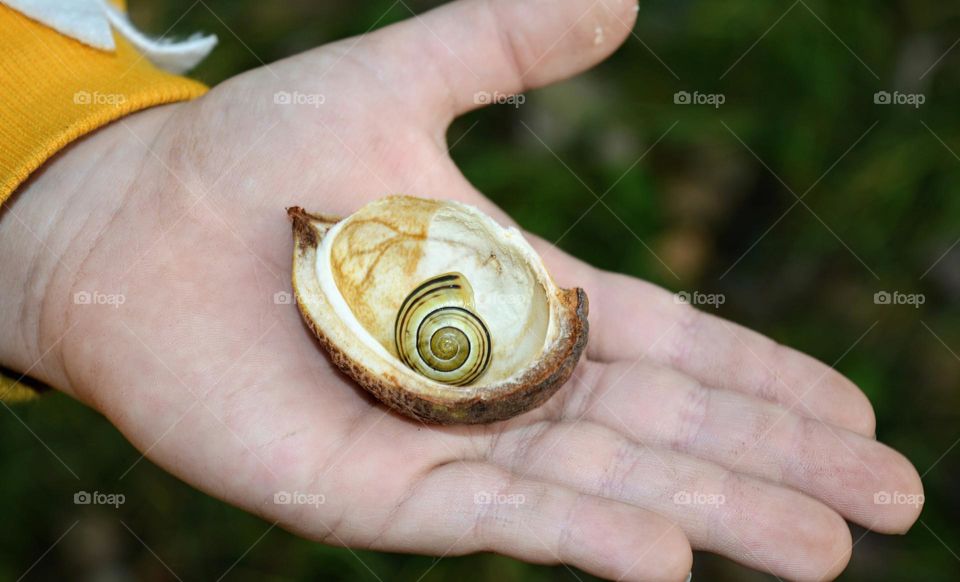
[438, 333]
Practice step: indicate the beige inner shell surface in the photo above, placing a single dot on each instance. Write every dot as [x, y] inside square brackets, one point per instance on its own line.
[368, 263]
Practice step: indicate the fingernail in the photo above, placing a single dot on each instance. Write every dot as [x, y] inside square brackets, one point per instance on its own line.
[689, 576]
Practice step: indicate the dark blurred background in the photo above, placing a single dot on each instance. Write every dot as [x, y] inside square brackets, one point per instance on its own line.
[711, 208]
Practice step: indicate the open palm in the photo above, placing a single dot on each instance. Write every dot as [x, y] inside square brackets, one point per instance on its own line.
[678, 429]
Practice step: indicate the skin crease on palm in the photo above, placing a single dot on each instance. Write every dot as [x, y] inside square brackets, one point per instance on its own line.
[181, 209]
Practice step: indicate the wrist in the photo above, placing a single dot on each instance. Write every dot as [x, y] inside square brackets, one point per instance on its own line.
[48, 227]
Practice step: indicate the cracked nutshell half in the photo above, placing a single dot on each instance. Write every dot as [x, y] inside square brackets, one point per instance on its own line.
[437, 310]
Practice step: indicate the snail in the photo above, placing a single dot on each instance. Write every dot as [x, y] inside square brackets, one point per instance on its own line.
[435, 309]
[438, 333]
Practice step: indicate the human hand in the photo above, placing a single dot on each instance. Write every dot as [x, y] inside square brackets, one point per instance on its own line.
[677, 429]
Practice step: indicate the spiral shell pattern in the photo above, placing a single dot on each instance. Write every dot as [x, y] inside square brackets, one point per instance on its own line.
[439, 334]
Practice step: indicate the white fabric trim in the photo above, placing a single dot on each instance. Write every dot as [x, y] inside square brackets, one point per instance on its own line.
[176, 57]
[91, 22]
[79, 19]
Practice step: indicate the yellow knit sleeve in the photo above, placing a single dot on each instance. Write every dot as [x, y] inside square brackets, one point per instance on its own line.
[17, 388]
[53, 90]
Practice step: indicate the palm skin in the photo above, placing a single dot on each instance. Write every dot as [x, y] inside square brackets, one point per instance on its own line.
[677, 430]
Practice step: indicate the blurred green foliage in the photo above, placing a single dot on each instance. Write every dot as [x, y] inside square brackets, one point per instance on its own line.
[711, 207]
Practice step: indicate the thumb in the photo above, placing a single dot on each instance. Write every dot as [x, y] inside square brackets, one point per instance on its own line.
[465, 53]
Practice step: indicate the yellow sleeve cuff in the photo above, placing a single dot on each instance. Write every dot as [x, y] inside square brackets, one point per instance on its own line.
[54, 90]
[12, 390]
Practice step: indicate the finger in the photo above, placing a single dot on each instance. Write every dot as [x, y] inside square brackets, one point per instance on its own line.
[631, 318]
[659, 406]
[467, 52]
[474, 507]
[759, 524]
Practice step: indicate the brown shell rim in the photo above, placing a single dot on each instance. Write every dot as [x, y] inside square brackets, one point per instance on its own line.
[512, 398]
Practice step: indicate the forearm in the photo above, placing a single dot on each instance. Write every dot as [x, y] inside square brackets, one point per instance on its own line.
[47, 229]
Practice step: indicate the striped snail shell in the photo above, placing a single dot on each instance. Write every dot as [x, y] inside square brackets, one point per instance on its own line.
[439, 334]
